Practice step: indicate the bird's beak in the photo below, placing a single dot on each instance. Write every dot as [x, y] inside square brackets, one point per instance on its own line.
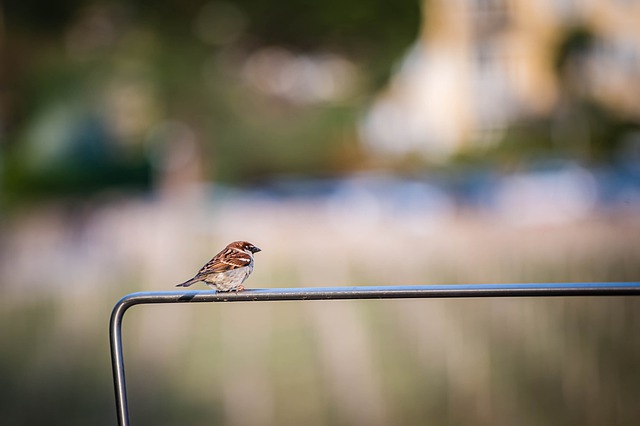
[256, 249]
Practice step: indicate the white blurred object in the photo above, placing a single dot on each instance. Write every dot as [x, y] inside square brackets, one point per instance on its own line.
[423, 110]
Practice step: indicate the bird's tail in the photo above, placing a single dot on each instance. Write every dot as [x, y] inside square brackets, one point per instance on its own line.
[188, 282]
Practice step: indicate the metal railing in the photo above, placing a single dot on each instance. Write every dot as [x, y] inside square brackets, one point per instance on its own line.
[334, 293]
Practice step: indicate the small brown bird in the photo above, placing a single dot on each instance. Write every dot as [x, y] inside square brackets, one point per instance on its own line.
[228, 269]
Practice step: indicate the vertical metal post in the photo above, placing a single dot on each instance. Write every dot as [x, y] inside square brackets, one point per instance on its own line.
[117, 360]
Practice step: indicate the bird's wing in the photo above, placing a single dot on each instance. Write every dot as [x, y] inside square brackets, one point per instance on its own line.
[226, 260]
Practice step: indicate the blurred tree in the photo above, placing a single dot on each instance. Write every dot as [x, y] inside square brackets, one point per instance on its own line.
[72, 55]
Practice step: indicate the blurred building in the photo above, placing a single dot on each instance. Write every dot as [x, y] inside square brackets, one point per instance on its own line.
[480, 65]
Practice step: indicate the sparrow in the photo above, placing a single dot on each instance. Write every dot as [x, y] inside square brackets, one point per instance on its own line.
[228, 269]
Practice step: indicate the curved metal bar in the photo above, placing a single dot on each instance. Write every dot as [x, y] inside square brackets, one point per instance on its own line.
[334, 293]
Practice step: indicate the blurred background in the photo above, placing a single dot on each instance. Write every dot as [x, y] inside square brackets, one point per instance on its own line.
[357, 142]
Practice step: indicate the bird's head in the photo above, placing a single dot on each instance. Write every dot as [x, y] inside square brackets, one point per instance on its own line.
[244, 246]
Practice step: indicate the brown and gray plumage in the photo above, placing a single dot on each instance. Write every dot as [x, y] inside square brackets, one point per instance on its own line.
[228, 269]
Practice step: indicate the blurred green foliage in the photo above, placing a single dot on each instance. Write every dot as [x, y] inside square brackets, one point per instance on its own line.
[244, 134]
[64, 63]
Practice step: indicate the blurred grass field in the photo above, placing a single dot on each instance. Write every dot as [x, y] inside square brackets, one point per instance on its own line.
[469, 361]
